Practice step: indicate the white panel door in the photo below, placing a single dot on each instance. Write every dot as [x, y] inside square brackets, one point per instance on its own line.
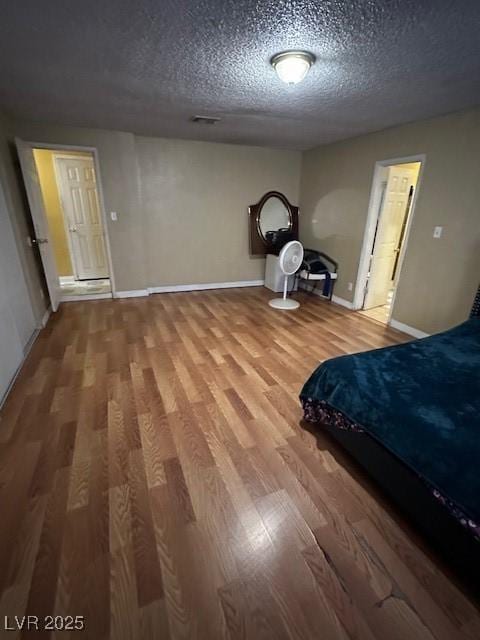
[78, 190]
[39, 218]
[387, 236]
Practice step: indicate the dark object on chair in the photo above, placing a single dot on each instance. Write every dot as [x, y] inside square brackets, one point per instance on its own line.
[314, 263]
[278, 239]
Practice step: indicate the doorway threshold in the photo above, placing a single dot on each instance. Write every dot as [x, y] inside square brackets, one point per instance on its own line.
[380, 314]
[85, 287]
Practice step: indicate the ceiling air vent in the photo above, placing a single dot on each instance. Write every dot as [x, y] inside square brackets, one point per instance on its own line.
[205, 119]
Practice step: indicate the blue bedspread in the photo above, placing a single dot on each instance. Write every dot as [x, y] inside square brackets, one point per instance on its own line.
[421, 400]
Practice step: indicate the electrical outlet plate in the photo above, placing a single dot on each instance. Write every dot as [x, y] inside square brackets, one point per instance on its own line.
[437, 232]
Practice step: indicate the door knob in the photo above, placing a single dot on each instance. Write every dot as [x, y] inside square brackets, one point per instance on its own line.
[39, 240]
[73, 230]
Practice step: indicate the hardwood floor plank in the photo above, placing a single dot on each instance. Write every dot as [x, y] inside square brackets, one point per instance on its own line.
[173, 553]
[337, 596]
[18, 569]
[43, 587]
[178, 490]
[235, 609]
[440, 625]
[147, 567]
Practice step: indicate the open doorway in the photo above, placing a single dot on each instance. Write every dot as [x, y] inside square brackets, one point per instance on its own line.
[394, 192]
[66, 204]
[70, 197]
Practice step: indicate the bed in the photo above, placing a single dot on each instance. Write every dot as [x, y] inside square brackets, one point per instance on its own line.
[410, 415]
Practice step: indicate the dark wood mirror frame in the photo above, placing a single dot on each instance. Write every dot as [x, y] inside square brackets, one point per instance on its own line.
[258, 245]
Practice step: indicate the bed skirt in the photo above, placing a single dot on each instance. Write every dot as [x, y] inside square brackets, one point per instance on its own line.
[321, 413]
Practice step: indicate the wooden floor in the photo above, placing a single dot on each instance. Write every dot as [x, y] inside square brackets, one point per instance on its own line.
[155, 478]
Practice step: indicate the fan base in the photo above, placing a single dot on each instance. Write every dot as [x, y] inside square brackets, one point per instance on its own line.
[284, 303]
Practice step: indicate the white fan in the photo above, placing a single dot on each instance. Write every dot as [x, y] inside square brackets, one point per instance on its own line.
[289, 260]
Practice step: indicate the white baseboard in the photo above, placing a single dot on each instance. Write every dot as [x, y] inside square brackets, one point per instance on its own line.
[45, 317]
[203, 287]
[26, 350]
[83, 298]
[134, 293]
[405, 328]
[342, 302]
[176, 288]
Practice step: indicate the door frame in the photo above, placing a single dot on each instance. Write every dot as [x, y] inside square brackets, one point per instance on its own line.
[370, 225]
[65, 148]
[60, 186]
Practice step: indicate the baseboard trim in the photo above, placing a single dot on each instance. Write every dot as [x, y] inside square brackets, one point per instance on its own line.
[26, 350]
[405, 328]
[209, 285]
[90, 296]
[134, 293]
[177, 288]
[45, 317]
[342, 302]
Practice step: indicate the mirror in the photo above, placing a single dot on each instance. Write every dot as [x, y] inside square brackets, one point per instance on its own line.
[274, 215]
[272, 212]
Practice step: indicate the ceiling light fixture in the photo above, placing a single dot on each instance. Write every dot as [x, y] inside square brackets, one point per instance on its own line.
[292, 66]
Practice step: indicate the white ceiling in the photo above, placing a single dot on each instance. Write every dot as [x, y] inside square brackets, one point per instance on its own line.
[147, 66]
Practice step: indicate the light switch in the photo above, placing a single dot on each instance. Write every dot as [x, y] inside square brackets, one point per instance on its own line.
[437, 232]
[113, 215]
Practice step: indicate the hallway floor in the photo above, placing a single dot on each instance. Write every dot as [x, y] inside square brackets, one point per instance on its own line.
[85, 287]
[380, 314]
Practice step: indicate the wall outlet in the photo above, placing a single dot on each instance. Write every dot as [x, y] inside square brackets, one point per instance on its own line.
[350, 286]
[113, 215]
[437, 232]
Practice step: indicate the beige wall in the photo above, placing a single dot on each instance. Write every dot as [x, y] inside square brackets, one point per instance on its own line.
[181, 205]
[439, 277]
[194, 199]
[118, 174]
[21, 221]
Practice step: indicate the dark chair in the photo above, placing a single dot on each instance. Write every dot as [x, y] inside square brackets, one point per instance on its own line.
[318, 267]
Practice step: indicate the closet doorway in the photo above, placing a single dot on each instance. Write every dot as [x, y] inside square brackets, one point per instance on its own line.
[394, 192]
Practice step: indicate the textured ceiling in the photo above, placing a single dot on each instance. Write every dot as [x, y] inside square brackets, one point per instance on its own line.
[147, 66]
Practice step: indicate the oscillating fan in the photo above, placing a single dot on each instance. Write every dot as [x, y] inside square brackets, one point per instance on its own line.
[289, 260]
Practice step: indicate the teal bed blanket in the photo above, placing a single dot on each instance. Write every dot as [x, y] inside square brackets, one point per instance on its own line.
[420, 400]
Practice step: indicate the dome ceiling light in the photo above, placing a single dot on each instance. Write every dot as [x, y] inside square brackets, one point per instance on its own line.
[292, 66]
